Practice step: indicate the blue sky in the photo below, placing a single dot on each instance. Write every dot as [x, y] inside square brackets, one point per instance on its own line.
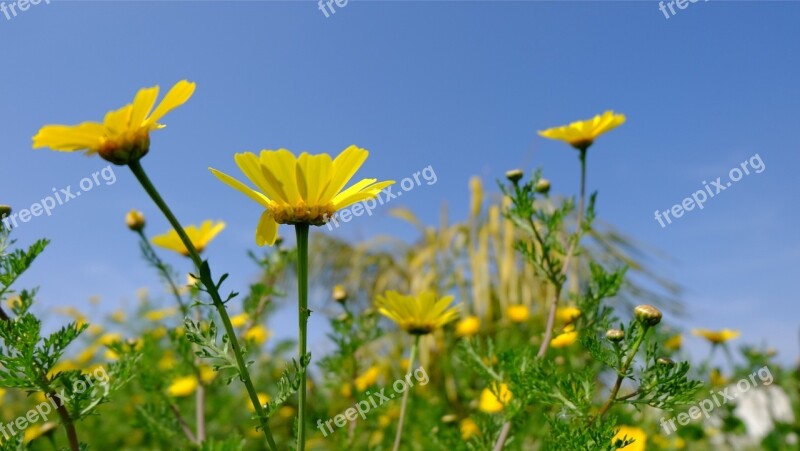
[460, 86]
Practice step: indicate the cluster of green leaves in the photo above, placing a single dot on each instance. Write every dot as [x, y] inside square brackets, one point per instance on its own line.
[561, 393]
[29, 359]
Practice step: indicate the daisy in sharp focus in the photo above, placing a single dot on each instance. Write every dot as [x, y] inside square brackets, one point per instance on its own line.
[124, 134]
[305, 189]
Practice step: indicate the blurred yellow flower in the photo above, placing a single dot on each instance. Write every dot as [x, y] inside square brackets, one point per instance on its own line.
[35, 431]
[62, 366]
[518, 313]
[631, 432]
[124, 135]
[257, 334]
[565, 339]
[490, 403]
[674, 442]
[468, 326]
[207, 374]
[300, 190]
[716, 378]
[673, 343]
[367, 379]
[240, 319]
[581, 134]
[717, 336]
[468, 429]
[159, 315]
[86, 355]
[118, 316]
[182, 386]
[286, 412]
[417, 315]
[346, 390]
[14, 301]
[2, 393]
[167, 361]
[567, 315]
[263, 399]
[108, 338]
[199, 236]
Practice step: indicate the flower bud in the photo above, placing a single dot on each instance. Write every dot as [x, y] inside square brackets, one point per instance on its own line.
[647, 315]
[615, 335]
[135, 220]
[339, 294]
[5, 210]
[514, 175]
[665, 361]
[542, 186]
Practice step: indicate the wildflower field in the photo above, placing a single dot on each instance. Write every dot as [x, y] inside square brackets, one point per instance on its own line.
[401, 270]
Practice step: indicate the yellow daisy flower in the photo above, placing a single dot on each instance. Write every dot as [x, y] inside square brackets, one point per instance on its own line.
[468, 429]
[518, 313]
[631, 432]
[717, 336]
[124, 135]
[564, 340]
[491, 403]
[567, 314]
[367, 379]
[417, 315]
[199, 236]
[35, 431]
[468, 326]
[258, 334]
[263, 399]
[182, 386]
[300, 190]
[581, 134]
[207, 374]
[159, 315]
[239, 320]
[673, 343]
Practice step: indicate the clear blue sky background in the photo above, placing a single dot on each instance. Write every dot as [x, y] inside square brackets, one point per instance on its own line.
[461, 86]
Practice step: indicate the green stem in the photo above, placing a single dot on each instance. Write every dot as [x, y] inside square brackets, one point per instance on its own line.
[621, 374]
[151, 255]
[208, 282]
[303, 314]
[411, 359]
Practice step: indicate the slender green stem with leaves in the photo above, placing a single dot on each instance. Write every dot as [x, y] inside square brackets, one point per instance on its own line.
[213, 290]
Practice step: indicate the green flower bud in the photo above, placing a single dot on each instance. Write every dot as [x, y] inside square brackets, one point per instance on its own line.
[339, 294]
[647, 315]
[135, 220]
[542, 186]
[515, 175]
[665, 361]
[615, 335]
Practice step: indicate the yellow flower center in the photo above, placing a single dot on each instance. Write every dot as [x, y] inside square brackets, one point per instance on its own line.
[301, 213]
[126, 148]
